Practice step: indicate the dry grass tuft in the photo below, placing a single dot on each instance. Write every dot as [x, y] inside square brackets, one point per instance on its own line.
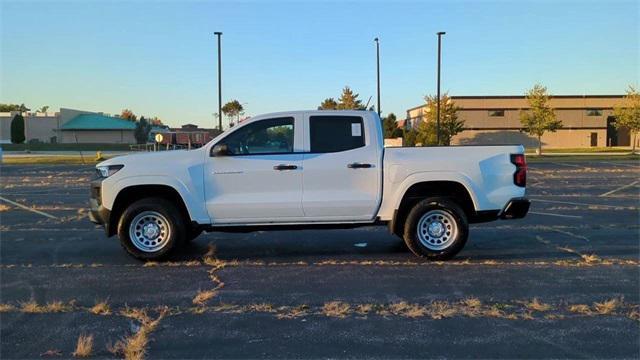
[57, 306]
[591, 258]
[4, 208]
[634, 314]
[84, 346]
[101, 308]
[407, 310]
[203, 296]
[536, 305]
[150, 264]
[364, 309]
[495, 312]
[31, 307]
[580, 309]
[136, 314]
[441, 309]
[471, 307]
[263, 308]
[606, 307]
[285, 312]
[6, 308]
[337, 309]
[51, 352]
[134, 347]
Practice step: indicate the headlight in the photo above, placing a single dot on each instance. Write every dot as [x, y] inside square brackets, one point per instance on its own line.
[106, 171]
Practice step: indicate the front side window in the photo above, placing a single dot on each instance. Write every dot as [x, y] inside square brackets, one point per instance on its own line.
[335, 133]
[272, 136]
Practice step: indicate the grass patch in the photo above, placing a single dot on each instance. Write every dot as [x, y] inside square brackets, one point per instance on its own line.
[580, 309]
[134, 347]
[606, 307]
[101, 308]
[405, 309]
[203, 296]
[48, 160]
[65, 147]
[84, 347]
[336, 309]
[6, 308]
[537, 305]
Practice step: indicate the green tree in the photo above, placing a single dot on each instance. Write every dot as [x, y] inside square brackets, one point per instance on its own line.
[128, 115]
[13, 107]
[17, 129]
[390, 127]
[328, 104]
[349, 100]
[141, 132]
[450, 124]
[44, 109]
[628, 114]
[409, 137]
[233, 109]
[540, 117]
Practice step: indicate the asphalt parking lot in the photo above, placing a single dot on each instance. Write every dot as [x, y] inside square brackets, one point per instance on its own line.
[561, 283]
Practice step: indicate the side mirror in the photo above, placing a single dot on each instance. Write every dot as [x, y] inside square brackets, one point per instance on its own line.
[220, 150]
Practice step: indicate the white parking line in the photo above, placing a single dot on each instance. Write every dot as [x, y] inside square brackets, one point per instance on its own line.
[558, 215]
[575, 203]
[570, 165]
[28, 208]
[620, 188]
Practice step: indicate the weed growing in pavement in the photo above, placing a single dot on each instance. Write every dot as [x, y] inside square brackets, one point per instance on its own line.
[84, 346]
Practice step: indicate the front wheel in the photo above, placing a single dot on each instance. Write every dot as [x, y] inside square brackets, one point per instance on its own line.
[436, 228]
[150, 229]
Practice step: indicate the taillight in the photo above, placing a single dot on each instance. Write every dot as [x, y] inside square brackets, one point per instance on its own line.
[520, 176]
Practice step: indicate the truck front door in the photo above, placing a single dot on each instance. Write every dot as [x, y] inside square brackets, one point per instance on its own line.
[259, 178]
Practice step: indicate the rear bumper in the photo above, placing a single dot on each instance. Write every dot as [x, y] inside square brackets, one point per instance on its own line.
[515, 209]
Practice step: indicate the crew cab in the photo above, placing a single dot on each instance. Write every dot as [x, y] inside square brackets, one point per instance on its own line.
[308, 169]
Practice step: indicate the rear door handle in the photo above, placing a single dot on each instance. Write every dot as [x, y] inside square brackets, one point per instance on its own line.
[359, 166]
[285, 167]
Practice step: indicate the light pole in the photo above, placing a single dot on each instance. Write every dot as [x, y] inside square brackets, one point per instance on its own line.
[439, 33]
[378, 71]
[219, 35]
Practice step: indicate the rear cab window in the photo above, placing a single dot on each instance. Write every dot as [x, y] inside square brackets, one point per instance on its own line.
[334, 133]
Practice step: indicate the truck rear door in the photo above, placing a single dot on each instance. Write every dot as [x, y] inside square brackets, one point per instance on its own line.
[341, 168]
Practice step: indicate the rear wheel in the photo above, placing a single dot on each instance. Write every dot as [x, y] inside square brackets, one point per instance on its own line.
[151, 228]
[436, 228]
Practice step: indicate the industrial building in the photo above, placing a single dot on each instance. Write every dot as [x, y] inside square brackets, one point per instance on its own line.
[69, 126]
[587, 121]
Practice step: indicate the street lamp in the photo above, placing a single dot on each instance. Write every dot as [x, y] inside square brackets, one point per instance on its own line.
[378, 70]
[439, 33]
[219, 35]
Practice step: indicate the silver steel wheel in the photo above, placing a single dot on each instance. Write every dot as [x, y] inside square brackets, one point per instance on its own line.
[437, 230]
[149, 231]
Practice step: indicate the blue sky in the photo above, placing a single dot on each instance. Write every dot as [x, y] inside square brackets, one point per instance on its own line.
[159, 58]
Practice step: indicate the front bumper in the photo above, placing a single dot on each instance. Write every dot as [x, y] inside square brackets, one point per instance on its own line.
[98, 214]
[515, 209]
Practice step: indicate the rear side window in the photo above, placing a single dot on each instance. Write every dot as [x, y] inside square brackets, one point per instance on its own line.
[335, 133]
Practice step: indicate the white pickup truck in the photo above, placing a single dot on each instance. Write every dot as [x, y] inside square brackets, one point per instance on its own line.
[308, 169]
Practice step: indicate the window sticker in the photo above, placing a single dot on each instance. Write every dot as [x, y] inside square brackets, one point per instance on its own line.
[356, 129]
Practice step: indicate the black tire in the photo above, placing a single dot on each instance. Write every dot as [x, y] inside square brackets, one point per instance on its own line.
[452, 225]
[175, 231]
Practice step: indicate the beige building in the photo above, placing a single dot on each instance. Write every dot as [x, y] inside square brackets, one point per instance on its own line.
[70, 126]
[587, 121]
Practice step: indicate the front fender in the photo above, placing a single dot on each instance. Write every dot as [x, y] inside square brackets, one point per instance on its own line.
[189, 194]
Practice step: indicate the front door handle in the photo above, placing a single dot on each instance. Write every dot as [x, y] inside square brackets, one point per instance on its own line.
[359, 166]
[285, 167]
